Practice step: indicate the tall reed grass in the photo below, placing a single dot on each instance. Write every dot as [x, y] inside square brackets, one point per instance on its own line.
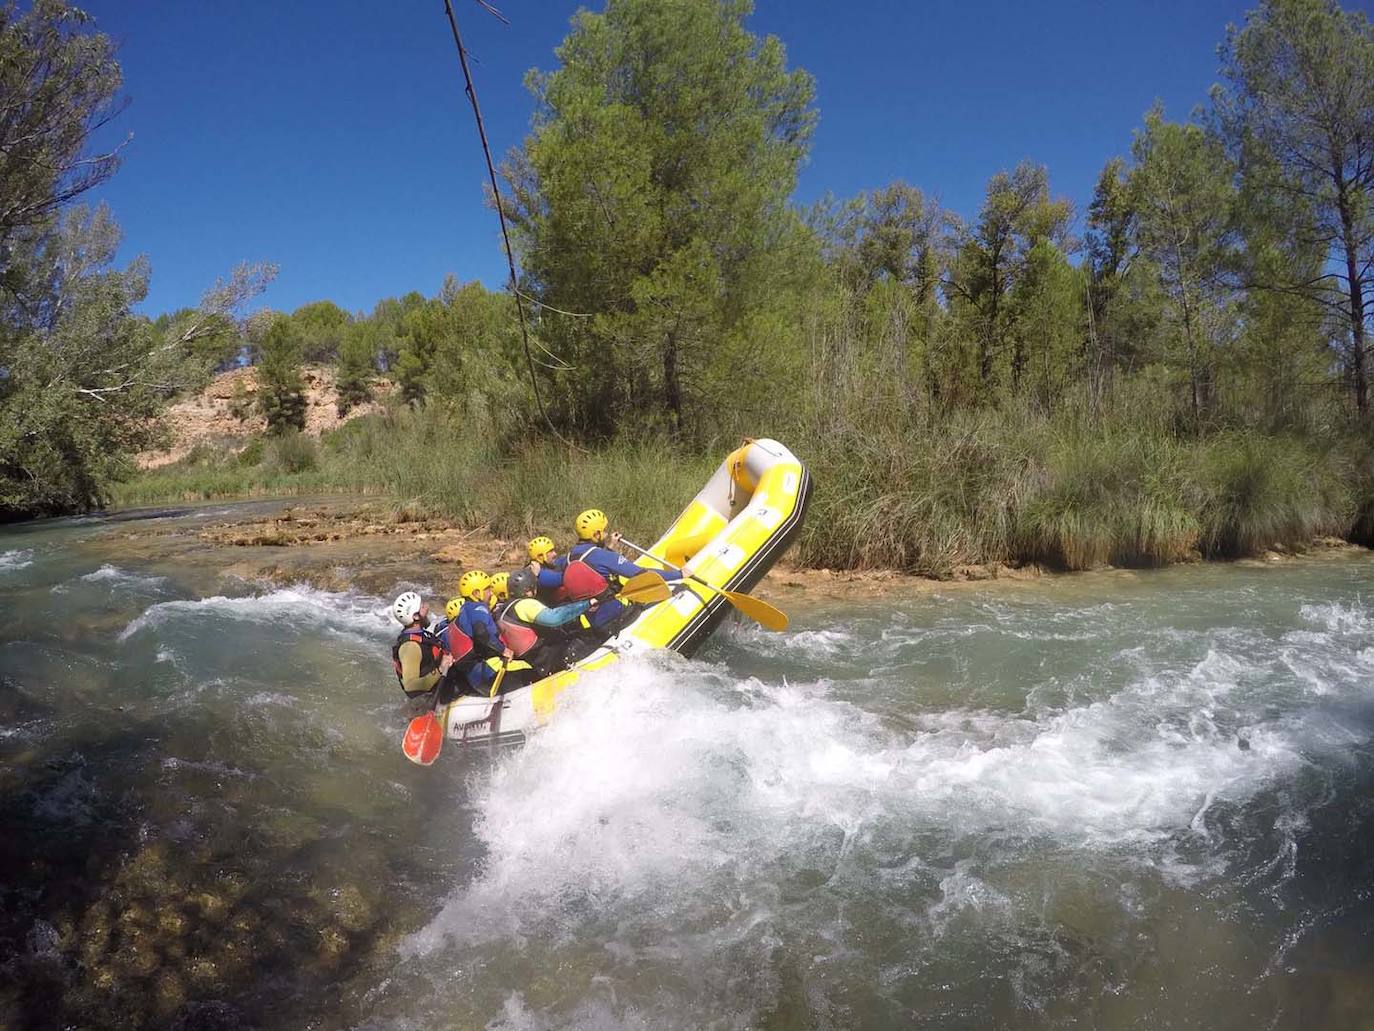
[1014, 485]
[430, 462]
[1071, 490]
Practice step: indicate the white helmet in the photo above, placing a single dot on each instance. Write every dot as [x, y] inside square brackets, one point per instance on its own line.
[406, 607]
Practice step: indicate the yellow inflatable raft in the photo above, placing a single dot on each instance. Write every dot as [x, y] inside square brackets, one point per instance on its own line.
[729, 536]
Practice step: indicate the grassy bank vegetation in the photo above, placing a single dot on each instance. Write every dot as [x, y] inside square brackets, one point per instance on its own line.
[1071, 490]
[423, 461]
[1074, 493]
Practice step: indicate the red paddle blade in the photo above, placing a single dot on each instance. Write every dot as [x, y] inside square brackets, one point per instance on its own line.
[424, 737]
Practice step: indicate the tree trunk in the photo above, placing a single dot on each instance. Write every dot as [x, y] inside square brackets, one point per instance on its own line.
[672, 387]
[1356, 288]
[990, 332]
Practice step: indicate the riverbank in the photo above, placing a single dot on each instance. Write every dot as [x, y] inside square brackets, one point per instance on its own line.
[988, 490]
[339, 543]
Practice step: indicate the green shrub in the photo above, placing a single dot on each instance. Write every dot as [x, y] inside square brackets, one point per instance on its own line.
[1102, 496]
[1069, 489]
[917, 500]
[642, 485]
[252, 453]
[289, 454]
[1260, 491]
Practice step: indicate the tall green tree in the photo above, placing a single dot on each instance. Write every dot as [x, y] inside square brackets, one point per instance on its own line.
[1110, 247]
[1017, 213]
[420, 333]
[59, 83]
[1300, 85]
[83, 379]
[321, 326]
[1046, 323]
[1282, 372]
[281, 390]
[1183, 186]
[357, 364]
[477, 361]
[652, 193]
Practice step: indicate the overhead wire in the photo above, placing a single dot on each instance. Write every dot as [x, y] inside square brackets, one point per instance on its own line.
[471, 92]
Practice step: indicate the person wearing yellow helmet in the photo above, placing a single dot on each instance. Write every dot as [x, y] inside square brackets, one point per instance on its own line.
[474, 620]
[593, 568]
[547, 567]
[500, 594]
[534, 630]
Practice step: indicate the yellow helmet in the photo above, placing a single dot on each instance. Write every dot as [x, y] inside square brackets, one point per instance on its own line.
[473, 583]
[590, 523]
[500, 586]
[540, 547]
[453, 607]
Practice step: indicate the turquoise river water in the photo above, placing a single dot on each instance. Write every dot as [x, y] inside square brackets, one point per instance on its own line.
[1137, 800]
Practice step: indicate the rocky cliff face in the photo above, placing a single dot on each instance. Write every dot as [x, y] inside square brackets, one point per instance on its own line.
[225, 413]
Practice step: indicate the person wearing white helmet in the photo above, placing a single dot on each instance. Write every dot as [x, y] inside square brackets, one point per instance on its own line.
[418, 656]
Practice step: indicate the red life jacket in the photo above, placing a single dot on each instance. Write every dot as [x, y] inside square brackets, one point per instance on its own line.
[455, 642]
[431, 651]
[519, 635]
[580, 581]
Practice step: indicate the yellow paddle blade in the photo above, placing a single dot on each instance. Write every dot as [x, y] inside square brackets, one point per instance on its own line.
[645, 589]
[757, 609]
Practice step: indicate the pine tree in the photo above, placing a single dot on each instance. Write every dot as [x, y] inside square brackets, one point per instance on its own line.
[1301, 87]
[653, 193]
[357, 365]
[281, 391]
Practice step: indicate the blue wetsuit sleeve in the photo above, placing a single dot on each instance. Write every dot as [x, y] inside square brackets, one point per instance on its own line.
[550, 578]
[562, 614]
[624, 568]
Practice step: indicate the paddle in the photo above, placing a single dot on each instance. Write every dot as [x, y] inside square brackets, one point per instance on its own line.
[755, 608]
[647, 588]
[424, 737]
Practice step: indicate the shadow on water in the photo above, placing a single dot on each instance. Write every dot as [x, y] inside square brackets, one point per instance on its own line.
[138, 894]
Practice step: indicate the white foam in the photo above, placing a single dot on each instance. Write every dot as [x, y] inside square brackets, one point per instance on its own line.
[328, 610]
[824, 642]
[1340, 619]
[16, 558]
[665, 783]
[117, 577]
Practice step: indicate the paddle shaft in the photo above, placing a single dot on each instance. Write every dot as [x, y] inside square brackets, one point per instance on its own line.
[755, 608]
[496, 684]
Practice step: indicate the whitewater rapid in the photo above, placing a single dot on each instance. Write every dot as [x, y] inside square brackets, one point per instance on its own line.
[1112, 800]
[679, 820]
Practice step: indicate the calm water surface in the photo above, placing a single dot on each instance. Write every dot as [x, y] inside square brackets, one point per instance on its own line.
[1106, 801]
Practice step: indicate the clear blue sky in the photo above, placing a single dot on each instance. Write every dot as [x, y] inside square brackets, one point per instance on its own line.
[333, 138]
